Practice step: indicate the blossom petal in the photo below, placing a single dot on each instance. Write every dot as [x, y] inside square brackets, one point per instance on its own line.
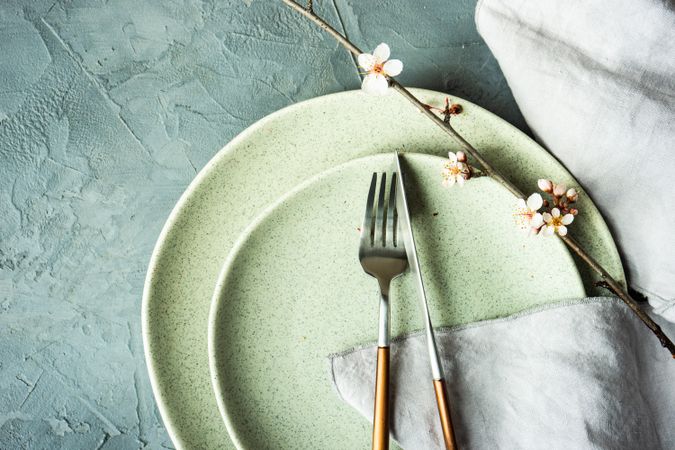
[521, 203]
[535, 201]
[375, 84]
[393, 67]
[567, 219]
[537, 221]
[367, 83]
[549, 230]
[451, 181]
[555, 212]
[382, 53]
[460, 181]
[452, 157]
[562, 230]
[547, 217]
[366, 61]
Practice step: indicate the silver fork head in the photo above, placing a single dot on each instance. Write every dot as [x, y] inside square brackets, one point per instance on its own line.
[381, 253]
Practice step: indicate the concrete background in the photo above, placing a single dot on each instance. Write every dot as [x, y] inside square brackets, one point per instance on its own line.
[107, 111]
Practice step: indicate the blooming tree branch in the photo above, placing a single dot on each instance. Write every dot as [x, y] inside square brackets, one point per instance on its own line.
[555, 220]
[488, 170]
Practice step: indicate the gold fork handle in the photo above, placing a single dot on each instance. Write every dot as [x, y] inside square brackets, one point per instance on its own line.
[444, 414]
[381, 413]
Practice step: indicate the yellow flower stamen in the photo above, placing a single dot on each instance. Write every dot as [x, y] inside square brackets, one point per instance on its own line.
[556, 221]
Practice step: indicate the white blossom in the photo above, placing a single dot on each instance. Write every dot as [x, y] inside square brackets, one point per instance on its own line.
[527, 215]
[556, 223]
[378, 67]
[456, 170]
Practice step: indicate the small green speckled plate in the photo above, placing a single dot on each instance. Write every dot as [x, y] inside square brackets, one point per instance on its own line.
[292, 292]
[266, 161]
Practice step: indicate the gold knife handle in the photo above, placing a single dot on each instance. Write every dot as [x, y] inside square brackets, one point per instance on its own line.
[381, 413]
[444, 414]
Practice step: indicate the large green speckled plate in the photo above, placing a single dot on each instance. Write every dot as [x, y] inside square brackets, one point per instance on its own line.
[266, 161]
[292, 292]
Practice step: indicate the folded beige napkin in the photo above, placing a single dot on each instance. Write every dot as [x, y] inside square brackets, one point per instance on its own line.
[584, 374]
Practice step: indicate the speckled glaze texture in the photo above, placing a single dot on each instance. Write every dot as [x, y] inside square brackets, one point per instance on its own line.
[292, 293]
[107, 111]
[251, 173]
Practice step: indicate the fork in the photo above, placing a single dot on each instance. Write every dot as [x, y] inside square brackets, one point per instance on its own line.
[383, 258]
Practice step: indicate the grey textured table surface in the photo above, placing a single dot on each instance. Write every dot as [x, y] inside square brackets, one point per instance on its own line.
[107, 111]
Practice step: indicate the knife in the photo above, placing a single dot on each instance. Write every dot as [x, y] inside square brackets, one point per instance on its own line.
[405, 228]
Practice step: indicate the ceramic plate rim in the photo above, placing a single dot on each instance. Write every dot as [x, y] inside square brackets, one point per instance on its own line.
[162, 238]
[167, 228]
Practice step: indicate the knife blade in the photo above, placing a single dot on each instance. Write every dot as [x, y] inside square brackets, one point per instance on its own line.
[408, 237]
[405, 227]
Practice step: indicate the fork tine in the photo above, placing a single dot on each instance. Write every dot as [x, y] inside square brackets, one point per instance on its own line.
[391, 213]
[367, 228]
[380, 218]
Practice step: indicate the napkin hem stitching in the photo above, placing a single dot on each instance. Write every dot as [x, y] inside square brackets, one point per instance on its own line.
[478, 324]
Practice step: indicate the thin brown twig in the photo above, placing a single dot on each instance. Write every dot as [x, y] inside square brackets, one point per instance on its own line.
[446, 111]
[446, 127]
[324, 26]
[623, 294]
[602, 284]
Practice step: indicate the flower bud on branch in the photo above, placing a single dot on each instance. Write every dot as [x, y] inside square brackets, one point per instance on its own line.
[572, 195]
[545, 185]
[556, 215]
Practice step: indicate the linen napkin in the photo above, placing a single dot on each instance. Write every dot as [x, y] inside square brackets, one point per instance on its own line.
[595, 81]
[579, 374]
